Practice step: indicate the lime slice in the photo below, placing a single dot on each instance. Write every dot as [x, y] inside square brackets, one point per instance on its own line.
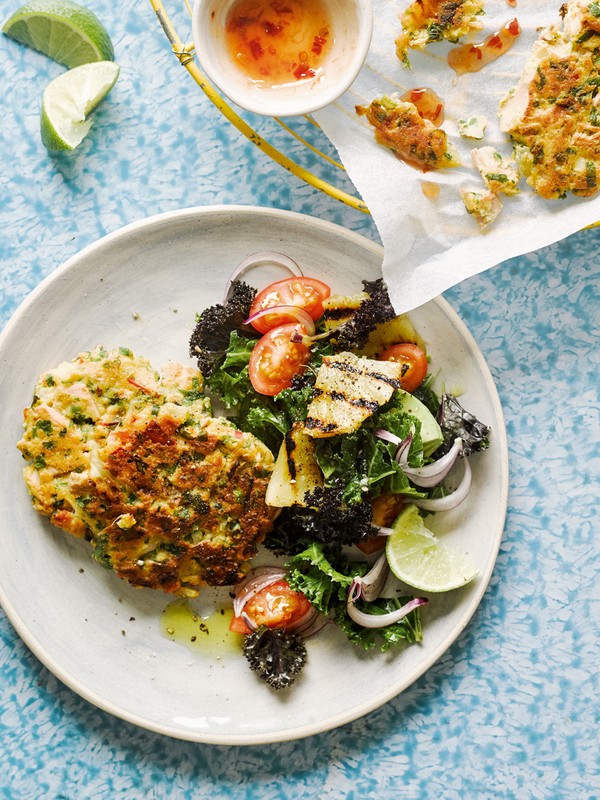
[70, 98]
[421, 560]
[63, 30]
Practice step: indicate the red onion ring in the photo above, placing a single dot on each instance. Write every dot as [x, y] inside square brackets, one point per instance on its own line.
[382, 620]
[297, 313]
[388, 436]
[450, 500]
[261, 259]
[370, 585]
[434, 473]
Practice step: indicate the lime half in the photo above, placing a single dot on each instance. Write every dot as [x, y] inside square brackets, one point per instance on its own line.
[70, 98]
[418, 558]
[65, 31]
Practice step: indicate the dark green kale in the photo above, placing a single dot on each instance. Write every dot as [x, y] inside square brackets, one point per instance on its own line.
[377, 308]
[228, 378]
[326, 518]
[323, 579]
[454, 422]
[210, 338]
[364, 462]
[277, 656]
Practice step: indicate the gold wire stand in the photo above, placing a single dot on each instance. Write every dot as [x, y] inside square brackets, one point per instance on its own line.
[185, 54]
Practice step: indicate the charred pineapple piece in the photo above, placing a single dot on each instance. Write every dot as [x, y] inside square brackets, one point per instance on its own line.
[397, 330]
[339, 308]
[348, 389]
[296, 470]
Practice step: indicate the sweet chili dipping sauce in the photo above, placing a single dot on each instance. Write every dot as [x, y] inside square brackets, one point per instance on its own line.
[429, 104]
[472, 57]
[278, 42]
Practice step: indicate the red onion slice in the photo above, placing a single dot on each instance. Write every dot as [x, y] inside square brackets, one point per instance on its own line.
[262, 259]
[382, 620]
[450, 500]
[294, 312]
[370, 585]
[434, 473]
[388, 436]
[429, 475]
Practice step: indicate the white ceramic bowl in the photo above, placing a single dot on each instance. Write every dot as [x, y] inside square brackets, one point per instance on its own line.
[351, 25]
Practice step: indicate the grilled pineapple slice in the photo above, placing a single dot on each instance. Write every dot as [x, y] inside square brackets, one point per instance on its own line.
[339, 308]
[349, 389]
[399, 329]
[296, 470]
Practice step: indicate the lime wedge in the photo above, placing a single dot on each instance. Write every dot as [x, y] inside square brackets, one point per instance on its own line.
[70, 98]
[418, 558]
[65, 31]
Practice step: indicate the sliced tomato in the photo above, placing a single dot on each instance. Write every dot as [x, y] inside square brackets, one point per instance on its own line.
[305, 293]
[276, 359]
[276, 606]
[413, 360]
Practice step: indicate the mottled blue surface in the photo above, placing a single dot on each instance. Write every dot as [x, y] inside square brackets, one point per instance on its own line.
[511, 710]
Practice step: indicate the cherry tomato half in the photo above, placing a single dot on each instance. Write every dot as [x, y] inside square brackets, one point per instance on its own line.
[413, 360]
[276, 359]
[276, 606]
[305, 293]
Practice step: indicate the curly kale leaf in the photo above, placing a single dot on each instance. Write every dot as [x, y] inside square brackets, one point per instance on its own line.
[325, 518]
[377, 308]
[454, 422]
[277, 656]
[324, 580]
[210, 339]
[228, 378]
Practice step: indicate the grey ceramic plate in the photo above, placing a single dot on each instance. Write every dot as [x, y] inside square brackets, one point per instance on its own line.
[141, 287]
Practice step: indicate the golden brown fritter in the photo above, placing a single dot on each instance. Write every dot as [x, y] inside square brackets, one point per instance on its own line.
[553, 115]
[399, 127]
[427, 21]
[170, 497]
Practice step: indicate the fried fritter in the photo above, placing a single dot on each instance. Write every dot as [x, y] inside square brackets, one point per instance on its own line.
[427, 21]
[399, 127]
[169, 497]
[553, 114]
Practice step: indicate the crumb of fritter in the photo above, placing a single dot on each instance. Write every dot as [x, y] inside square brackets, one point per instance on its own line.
[399, 127]
[484, 206]
[427, 21]
[500, 174]
[472, 127]
[168, 496]
[553, 114]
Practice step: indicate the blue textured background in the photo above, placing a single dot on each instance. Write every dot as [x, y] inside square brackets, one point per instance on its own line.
[511, 710]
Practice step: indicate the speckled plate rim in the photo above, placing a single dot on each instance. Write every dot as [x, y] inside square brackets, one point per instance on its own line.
[196, 216]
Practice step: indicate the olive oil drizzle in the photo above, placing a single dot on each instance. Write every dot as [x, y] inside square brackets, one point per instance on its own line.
[207, 634]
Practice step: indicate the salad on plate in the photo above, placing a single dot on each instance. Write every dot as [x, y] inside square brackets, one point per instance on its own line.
[341, 390]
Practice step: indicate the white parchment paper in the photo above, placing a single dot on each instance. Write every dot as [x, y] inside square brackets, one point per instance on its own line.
[431, 245]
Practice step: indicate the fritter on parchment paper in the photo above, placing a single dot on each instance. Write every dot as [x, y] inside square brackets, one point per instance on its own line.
[553, 114]
[427, 21]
